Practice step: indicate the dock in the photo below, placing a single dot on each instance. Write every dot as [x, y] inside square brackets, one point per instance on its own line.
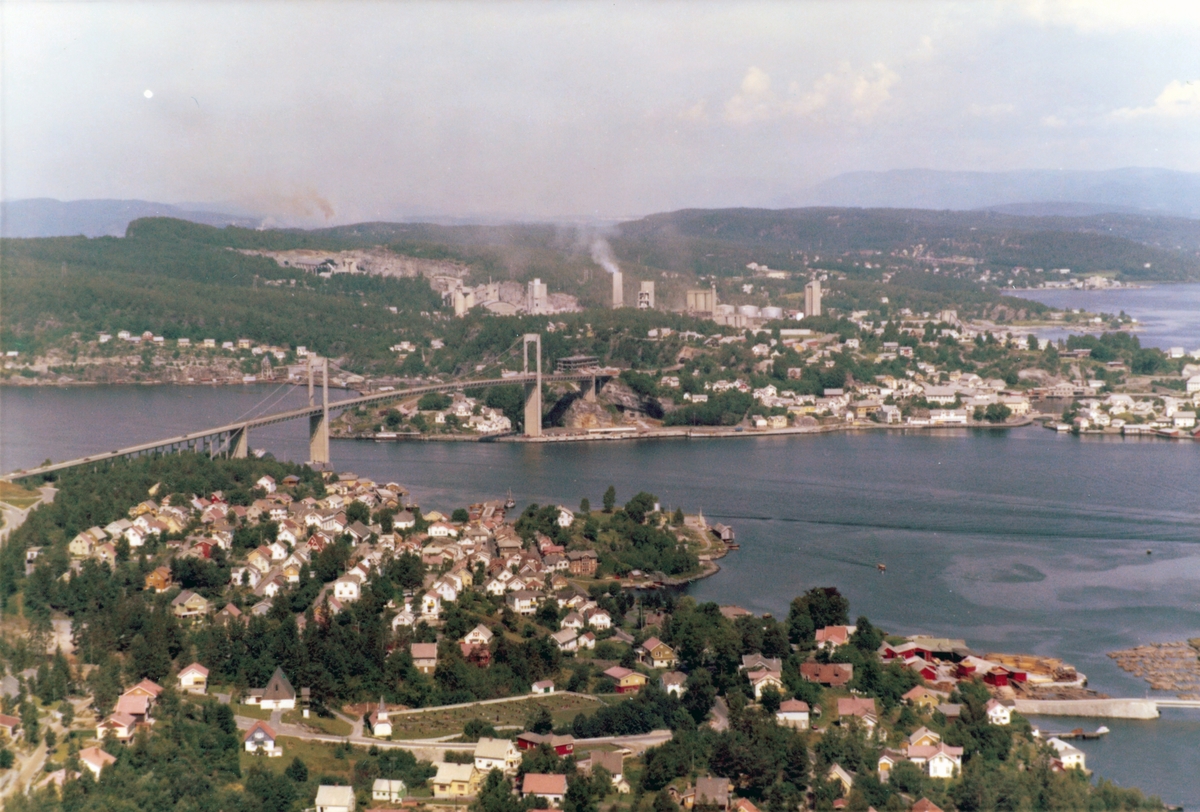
[1077, 733]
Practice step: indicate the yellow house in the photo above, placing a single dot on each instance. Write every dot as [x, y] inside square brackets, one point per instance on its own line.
[81, 546]
[657, 654]
[923, 737]
[628, 682]
[455, 781]
[922, 697]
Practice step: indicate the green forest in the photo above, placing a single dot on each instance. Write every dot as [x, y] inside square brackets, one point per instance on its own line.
[184, 280]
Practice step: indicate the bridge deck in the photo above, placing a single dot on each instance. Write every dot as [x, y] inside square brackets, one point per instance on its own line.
[306, 411]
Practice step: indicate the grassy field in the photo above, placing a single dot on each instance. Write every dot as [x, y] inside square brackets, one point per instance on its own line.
[435, 723]
[17, 496]
[332, 726]
[253, 711]
[317, 757]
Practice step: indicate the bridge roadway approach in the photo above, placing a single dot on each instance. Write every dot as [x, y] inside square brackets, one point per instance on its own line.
[233, 439]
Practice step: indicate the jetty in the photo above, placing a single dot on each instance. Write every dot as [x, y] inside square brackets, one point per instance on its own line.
[1148, 708]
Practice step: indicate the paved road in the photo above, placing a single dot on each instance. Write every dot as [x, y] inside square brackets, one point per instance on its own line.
[15, 517]
[431, 748]
[720, 715]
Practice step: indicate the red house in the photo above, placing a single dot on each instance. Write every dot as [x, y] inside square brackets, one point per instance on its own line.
[563, 745]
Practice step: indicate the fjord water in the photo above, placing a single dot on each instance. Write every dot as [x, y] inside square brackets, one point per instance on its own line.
[1169, 315]
[1022, 540]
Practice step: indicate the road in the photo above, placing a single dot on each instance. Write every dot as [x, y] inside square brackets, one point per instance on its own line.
[431, 748]
[720, 715]
[15, 517]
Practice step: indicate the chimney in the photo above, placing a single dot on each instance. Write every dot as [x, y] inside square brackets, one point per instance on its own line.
[618, 289]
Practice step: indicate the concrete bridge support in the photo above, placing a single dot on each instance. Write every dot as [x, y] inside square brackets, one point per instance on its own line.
[590, 390]
[318, 424]
[533, 391]
[239, 443]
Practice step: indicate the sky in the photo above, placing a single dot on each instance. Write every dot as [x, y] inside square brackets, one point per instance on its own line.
[342, 111]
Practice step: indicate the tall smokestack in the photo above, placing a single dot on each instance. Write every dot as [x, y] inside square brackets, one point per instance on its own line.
[602, 255]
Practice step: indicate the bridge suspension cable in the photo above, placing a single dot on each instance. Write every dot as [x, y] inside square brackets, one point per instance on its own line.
[249, 412]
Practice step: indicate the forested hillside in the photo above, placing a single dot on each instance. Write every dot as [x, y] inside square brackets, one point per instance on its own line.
[178, 279]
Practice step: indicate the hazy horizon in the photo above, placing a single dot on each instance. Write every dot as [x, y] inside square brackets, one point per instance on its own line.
[331, 113]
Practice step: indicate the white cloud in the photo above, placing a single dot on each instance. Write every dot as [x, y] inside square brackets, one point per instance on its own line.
[1177, 100]
[1106, 16]
[845, 93]
[696, 112]
[991, 110]
[1053, 122]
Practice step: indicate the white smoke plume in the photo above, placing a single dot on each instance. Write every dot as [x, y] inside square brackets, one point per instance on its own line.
[602, 255]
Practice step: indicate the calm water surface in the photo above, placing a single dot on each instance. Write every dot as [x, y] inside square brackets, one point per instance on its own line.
[1169, 314]
[1025, 541]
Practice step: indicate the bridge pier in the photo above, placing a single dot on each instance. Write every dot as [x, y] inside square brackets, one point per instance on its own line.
[589, 390]
[318, 424]
[533, 391]
[239, 443]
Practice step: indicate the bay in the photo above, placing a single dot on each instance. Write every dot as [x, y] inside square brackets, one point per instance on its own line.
[1023, 541]
[1169, 315]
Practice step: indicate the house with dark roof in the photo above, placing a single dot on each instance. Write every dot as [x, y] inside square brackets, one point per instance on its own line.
[279, 693]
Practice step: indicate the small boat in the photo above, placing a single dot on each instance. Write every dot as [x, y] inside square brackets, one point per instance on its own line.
[510, 503]
[881, 567]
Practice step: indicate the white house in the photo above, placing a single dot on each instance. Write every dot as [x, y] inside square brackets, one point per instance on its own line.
[761, 680]
[939, 760]
[260, 737]
[479, 636]
[673, 682]
[1072, 758]
[431, 605]
[194, 679]
[388, 790]
[545, 686]
[442, 530]
[565, 516]
[95, 759]
[497, 754]
[793, 713]
[566, 640]
[347, 588]
[334, 799]
[266, 483]
[598, 619]
[998, 712]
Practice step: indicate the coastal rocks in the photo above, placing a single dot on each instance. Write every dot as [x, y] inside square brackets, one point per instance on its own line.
[584, 414]
[1166, 666]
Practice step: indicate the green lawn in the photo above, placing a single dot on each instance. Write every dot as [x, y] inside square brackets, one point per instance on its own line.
[17, 496]
[316, 756]
[253, 711]
[333, 726]
[435, 723]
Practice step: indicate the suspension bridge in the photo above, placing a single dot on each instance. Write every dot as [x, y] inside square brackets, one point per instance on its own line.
[233, 439]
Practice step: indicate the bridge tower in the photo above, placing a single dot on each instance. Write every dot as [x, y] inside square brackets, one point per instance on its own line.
[239, 443]
[533, 390]
[318, 424]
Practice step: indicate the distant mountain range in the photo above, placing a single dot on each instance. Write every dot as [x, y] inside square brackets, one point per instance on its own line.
[46, 217]
[1034, 192]
[1024, 193]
